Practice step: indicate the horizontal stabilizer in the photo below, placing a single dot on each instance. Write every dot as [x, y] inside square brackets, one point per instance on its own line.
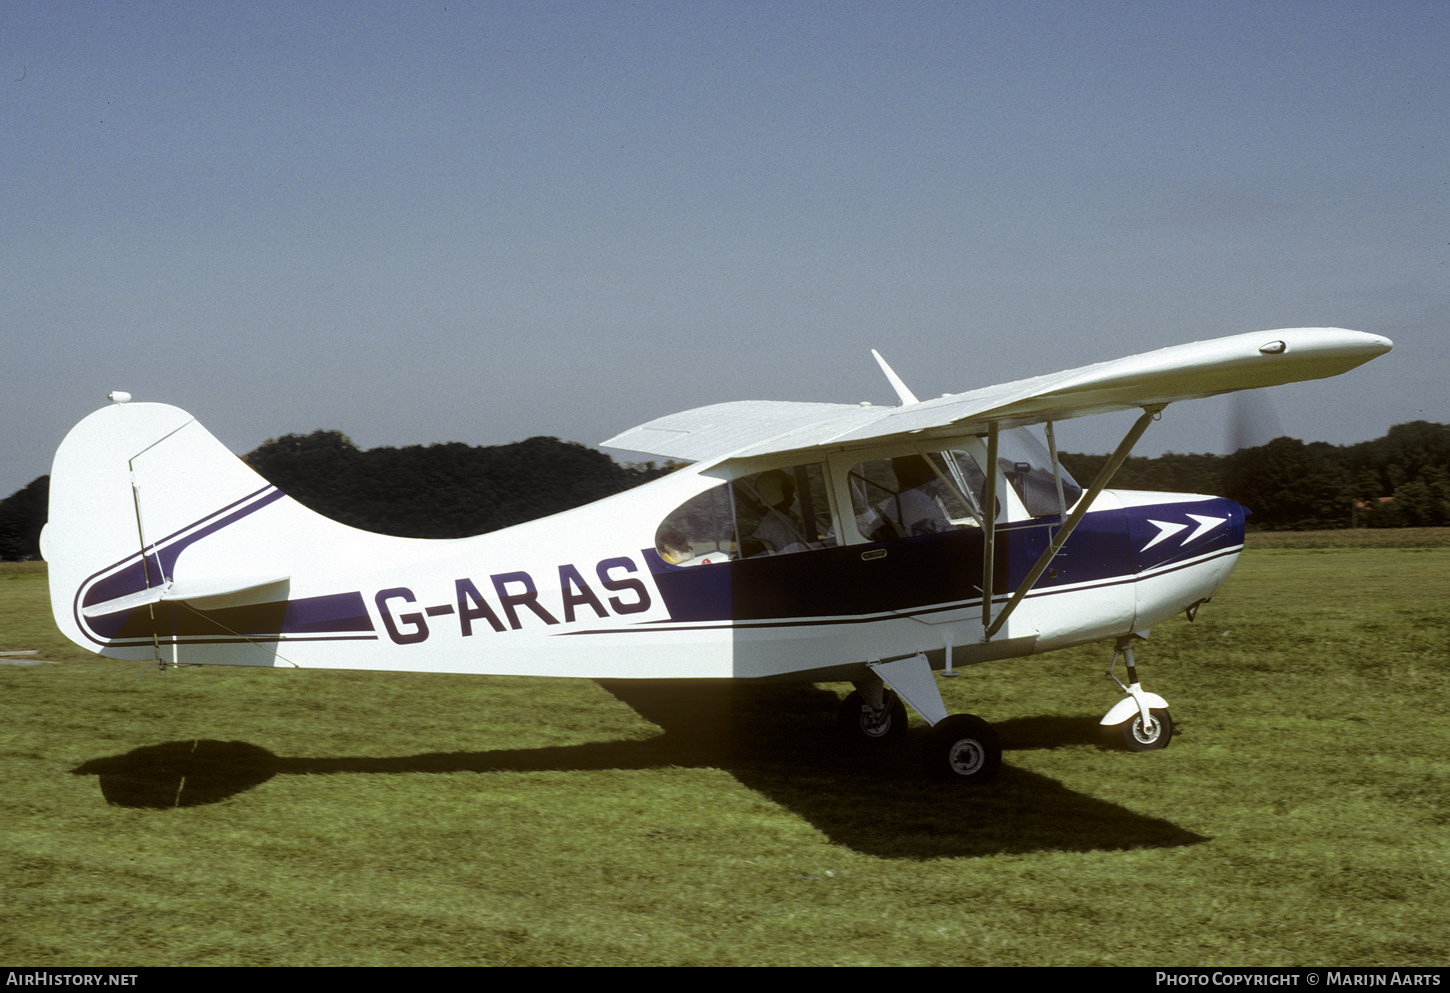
[200, 589]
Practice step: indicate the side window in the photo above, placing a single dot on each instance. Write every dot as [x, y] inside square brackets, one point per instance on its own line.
[915, 494]
[783, 511]
[700, 531]
[778, 512]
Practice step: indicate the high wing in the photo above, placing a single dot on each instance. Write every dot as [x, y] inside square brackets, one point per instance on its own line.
[749, 428]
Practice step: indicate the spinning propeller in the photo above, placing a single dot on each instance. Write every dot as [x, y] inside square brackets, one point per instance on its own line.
[1252, 421]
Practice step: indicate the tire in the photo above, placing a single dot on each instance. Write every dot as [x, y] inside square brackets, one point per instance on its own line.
[963, 749]
[1135, 739]
[858, 725]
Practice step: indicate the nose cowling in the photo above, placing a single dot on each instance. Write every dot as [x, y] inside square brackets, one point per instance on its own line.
[1183, 546]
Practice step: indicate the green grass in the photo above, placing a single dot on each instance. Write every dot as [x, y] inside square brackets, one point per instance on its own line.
[1351, 538]
[285, 817]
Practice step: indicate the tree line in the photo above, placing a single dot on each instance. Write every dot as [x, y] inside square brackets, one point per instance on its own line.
[454, 490]
[1399, 480]
[448, 490]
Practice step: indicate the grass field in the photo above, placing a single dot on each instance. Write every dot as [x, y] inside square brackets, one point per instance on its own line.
[284, 817]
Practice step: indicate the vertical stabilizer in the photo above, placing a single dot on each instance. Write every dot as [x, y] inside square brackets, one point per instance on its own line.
[133, 486]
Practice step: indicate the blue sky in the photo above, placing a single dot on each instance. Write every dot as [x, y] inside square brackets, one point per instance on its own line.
[422, 222]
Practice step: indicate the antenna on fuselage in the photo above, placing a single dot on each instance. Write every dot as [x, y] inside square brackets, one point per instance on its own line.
[907, 397]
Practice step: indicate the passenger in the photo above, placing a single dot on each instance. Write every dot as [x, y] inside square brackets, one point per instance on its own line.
[674, 547]
[776, 530]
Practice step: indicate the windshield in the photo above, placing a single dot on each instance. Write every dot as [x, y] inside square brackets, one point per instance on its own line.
[1027, 464]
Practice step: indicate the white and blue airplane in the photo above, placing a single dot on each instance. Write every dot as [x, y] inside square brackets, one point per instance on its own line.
[804, 541]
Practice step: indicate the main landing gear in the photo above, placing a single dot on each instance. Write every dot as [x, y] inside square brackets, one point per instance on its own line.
[1140, 721]
[863, 722]
[961, 748]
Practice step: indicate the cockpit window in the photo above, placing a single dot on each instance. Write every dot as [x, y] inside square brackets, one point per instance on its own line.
[777, 512]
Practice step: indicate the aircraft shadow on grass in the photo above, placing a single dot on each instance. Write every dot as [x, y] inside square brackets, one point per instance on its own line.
[773, 739]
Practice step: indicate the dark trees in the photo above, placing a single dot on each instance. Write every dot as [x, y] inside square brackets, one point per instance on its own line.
[22, 515]
[439, 491]
[1289, 485]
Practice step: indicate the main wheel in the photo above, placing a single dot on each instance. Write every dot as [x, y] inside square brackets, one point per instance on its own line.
[859, 724]
[1157, 734]
[963, 749]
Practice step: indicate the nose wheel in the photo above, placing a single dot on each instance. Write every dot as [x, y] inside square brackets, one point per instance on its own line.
[1155, 734]
[1140, 721]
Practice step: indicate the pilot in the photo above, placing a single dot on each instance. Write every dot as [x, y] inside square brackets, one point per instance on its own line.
[917, 510]
[776, 529]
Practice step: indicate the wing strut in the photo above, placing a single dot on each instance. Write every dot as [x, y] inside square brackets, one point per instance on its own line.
[989, 528]
[1099, 484]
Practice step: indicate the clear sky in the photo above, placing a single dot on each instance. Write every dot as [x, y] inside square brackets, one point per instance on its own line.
[452, 221]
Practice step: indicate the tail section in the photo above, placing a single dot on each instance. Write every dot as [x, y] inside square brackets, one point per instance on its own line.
[159, 538]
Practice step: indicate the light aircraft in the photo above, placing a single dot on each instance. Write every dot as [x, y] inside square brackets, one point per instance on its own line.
[805, 541]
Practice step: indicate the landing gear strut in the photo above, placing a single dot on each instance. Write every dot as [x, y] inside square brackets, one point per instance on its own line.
[1140, 721]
